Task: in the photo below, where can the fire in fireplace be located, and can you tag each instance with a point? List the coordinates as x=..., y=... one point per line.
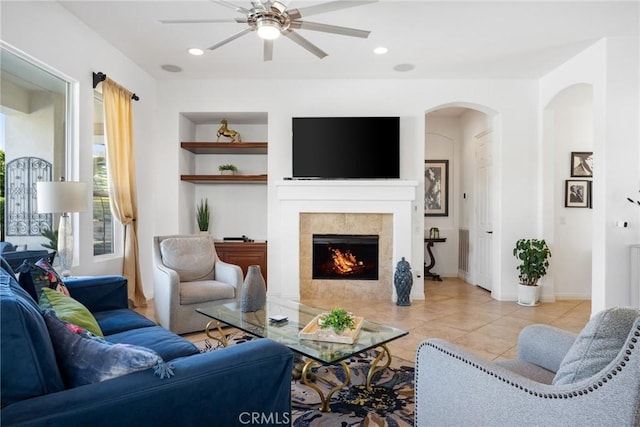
x=345, y=257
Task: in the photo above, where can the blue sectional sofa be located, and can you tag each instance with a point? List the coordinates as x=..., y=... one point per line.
x=226, y=387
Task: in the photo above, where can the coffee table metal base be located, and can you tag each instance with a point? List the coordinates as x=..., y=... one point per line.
x=221, y=338
x=371, y=336
x=324, y=406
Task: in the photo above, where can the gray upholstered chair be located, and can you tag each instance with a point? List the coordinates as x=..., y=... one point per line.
x=558, y=378
x=187, y=275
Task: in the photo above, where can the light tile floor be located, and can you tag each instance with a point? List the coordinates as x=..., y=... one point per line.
x=466, y=315
x=460, y=313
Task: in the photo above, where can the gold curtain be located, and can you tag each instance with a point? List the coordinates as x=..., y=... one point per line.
x=120, y=164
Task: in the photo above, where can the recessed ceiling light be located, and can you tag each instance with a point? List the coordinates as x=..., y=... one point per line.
x=171, y=68
x=380, y=50
x=404, y=67
x=195, y=51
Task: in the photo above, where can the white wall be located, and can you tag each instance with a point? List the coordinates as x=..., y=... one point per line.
x=49, y=33
x=236, y=209
x=611, y=67
x=571, y=123
x=52, y=36
x=409, y=99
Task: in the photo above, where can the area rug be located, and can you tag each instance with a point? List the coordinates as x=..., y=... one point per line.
x=389, y=403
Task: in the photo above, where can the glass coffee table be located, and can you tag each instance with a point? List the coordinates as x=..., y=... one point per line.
x=297, y=316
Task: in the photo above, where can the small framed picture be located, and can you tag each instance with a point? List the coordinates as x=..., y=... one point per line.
x=577, y=193
x=582, y=164
x=436, y=188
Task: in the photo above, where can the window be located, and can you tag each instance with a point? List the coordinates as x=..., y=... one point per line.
x=103, y=227
x=35, y=123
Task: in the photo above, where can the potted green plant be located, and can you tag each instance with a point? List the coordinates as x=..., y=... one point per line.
x=227, y=169
x=52, y=236
x=202, y=215
x=534, y=257
x=339, y=319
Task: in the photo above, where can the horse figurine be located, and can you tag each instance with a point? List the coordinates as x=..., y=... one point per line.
x=229, y=133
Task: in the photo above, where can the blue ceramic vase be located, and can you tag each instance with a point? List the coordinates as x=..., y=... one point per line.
x=403, y=281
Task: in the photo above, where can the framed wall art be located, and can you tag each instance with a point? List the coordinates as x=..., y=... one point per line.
x=582, y=164
x=436, y=188
x=577, y=193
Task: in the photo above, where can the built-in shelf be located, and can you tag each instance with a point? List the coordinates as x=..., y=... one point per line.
x=225, y=147
x=225, y=179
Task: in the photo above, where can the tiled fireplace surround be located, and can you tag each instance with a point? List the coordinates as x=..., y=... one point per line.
x=312, y=207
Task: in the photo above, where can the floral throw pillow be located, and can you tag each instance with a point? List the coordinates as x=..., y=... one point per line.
x=54, y=278
x=33, y=277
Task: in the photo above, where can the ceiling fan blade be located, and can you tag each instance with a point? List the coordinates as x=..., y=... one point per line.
x=268, y=50
x=279, y=5
x=326, y=7
x=266, y=4
x=232, y=38
x=232, y=6
x=301, y=41
x=258, y=5
x=334, y=29
x=196, y=21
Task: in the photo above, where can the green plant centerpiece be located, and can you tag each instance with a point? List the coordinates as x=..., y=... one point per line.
x=202, y=215
x=230, y=168
x=339, y=319
x=534, y=257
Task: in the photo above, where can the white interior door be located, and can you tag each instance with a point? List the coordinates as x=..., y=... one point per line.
x=484, y=209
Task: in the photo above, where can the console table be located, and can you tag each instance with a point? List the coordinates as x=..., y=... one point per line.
x=432, y=260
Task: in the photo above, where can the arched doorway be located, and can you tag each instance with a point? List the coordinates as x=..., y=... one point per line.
x=466, y=137
x=568, y=134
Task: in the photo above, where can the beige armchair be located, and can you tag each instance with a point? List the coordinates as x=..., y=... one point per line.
x=187, y=275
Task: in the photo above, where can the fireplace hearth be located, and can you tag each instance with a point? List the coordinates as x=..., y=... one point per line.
x=345, y=257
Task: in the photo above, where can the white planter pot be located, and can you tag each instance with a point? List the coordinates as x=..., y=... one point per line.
x=528, y=296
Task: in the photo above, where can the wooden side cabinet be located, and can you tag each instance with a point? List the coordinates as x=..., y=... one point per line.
x=244, y=254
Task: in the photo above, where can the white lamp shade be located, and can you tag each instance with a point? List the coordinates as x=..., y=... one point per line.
x=61, y=196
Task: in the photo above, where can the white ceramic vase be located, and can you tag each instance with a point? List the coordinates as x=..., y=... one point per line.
x=528, y=296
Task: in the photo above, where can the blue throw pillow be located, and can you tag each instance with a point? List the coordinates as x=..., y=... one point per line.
x=85, y=358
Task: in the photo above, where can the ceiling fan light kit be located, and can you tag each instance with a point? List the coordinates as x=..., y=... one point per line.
x=270, y=19
x=268, y=28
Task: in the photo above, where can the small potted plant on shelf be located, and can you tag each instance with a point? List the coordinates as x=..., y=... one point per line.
x=339, y=319
x=202, y=215
x=534, y=257
x=227, y=169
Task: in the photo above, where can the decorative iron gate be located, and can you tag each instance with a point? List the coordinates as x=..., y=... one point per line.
x=21, y=213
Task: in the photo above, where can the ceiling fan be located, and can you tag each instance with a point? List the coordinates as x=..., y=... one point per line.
x=271, y=18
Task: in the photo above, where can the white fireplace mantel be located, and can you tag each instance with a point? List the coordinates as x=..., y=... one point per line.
x=294, y=197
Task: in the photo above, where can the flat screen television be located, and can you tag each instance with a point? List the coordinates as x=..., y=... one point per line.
x=346, y=147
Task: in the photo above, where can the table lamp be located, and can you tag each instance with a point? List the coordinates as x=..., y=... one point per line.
x=62, y=197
